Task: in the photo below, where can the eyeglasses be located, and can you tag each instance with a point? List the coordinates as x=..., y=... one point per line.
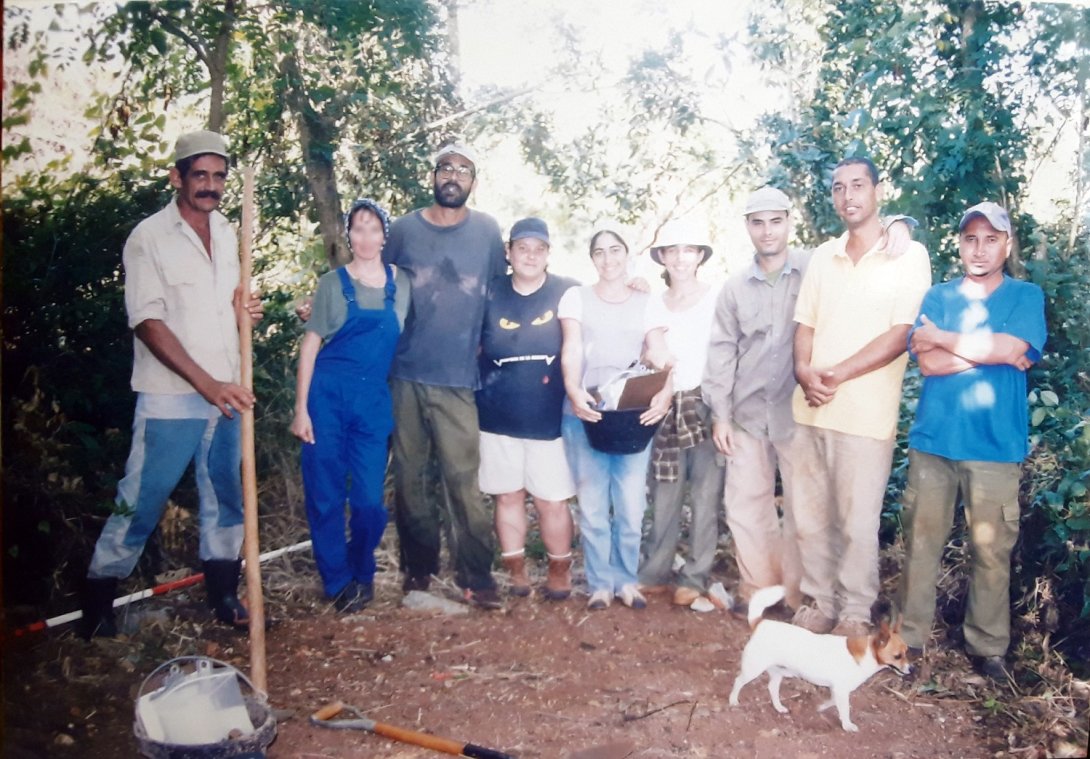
x=449, y=170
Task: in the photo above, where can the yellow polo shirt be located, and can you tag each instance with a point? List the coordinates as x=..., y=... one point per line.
x=848, y=305
x=169, y=277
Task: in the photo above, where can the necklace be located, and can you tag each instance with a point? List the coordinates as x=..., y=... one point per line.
x=370, y=277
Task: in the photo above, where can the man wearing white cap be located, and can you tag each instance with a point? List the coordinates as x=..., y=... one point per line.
x=184, y=305
x=748, y=381
x=975, y=338
x=451, y=254
x=855, y=308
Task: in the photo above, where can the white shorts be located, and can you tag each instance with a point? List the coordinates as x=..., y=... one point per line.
x=510, y=464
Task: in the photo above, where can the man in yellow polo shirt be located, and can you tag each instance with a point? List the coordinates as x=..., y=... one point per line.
x=854, y=312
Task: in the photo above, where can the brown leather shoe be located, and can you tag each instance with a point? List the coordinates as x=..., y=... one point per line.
x=516, y=569
x=808, y=617
x=558, y=581
x=684, y=596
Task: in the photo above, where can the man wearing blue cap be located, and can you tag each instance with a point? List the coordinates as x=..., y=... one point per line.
x=975, y=338
x=184, y=305
x=450, y=253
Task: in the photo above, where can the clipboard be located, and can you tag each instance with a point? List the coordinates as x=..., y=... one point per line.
x=638, y=391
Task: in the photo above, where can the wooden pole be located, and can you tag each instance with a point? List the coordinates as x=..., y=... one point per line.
x=251, y=546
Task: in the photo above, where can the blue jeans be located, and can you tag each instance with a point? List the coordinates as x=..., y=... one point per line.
x=168, y=433
x=611, y=543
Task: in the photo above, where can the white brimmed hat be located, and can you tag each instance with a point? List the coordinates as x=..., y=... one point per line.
x=680, y=232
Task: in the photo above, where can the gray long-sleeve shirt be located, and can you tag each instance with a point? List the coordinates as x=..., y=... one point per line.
x=750, y=372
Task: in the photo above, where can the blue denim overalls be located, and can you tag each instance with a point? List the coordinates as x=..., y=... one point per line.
x=350, y=409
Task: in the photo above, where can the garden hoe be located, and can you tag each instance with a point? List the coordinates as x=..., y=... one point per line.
x=326, y=717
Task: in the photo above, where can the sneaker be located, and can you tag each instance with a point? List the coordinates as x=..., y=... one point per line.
x=416, y=582
x=631, y=597
x=992, y=667
x=484, y=598
x=809, y=618
x=600, y=600
x=852, y=628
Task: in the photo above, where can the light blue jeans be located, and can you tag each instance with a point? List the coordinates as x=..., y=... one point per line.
x=168, y=432
x=612, y=493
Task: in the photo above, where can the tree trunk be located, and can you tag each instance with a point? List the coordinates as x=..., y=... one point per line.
x=317, y=140
x=217, y=64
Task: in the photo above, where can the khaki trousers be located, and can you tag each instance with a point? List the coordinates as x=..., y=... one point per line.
x=989, y=492
x=838, y=485
x=765, y=548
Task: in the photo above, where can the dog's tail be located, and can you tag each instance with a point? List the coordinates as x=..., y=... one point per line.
x=761, y=600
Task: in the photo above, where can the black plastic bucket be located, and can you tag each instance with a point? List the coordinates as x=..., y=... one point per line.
x=620, y=432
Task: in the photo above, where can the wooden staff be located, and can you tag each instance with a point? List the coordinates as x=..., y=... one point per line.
x=250, y=547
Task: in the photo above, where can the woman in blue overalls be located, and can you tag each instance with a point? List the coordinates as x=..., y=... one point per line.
x=343, y=412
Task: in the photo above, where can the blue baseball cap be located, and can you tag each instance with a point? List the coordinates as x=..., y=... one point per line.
x=531, y=226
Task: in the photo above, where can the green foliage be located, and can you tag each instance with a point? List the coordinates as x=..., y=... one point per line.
x=1056, y=535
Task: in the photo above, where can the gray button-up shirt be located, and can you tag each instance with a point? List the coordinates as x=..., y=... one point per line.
x=750, y=373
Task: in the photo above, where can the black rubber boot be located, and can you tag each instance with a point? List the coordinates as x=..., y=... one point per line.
x=221, y=580
x=98, y=608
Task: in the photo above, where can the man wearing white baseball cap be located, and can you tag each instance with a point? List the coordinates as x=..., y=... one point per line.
x=748, y=381
x=184, y=305
x=975, y=338
x=451, y=254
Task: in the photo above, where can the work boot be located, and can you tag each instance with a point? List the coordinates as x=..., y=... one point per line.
x=221, y=582
x=516, y=569
x=558, y=581
x=98, y=608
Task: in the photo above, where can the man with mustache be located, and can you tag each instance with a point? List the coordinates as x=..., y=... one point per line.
x=450, y=253
x=184, y=305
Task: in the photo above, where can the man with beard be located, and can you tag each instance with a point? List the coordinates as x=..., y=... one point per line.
x=184, y=305
x=450, y=253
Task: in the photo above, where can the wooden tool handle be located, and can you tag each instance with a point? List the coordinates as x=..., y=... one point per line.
x=404, y=735
x=328, y=712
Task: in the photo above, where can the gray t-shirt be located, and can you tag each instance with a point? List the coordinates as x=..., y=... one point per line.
x=330, y=309
x=450, y=269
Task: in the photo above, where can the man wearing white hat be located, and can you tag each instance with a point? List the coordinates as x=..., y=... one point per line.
x=748, y=381
x=451, y=254
x=184, y=305
x=975, y=338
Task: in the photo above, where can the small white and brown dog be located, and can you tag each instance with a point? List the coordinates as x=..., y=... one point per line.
x=834, y=661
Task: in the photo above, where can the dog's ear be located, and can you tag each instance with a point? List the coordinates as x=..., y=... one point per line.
x=883, y=633
x=897, y=624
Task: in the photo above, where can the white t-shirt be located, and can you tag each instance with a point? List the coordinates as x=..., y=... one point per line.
x=688, y=334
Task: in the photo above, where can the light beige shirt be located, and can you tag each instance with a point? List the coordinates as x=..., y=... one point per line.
x=169, y=277
x=750, y=372
x=848, y=305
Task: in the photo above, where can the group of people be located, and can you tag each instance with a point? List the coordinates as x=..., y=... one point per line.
x=789, y=374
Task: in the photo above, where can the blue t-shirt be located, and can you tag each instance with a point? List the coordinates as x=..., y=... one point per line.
x=522, y=387
x=979, y=414
x=449, y=268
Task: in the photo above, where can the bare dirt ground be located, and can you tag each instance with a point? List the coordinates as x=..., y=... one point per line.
x=539, y=679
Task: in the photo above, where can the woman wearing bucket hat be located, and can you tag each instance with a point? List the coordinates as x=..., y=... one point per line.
x=683, y=454
x=519, y=406
x=343, y=411
x=604, y=334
